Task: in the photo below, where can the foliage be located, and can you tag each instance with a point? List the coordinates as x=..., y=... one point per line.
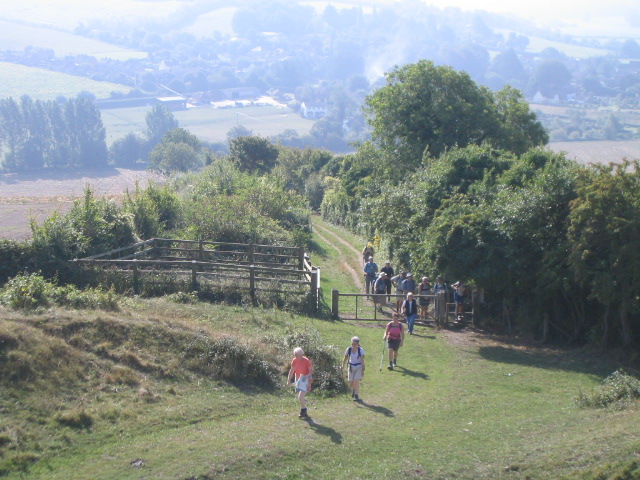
x=93, y=225
x=128, y=151
x=618, y=390
x=604, y=234
x=179, y=151
x=159, y=120
x=41, y=134
x=253, y=154
x=33, y=291
x=228, y=359
x=425, y=110
x=327, y=376
x=15, y=257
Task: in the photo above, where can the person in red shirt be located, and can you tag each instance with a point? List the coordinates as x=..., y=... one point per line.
x=302, y=372
x=394, y=335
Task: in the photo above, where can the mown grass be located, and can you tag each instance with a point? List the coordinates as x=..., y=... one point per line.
x=461, y=404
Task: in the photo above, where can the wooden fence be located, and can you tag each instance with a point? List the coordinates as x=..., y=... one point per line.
x=360, y=306
x=258, y=268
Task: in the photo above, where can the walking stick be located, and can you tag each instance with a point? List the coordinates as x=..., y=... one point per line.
x=382, y=356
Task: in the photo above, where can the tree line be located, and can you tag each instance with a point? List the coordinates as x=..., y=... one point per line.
x=47, y=134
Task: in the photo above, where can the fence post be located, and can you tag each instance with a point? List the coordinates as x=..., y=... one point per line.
x=194, y=275
x=252, y=282
x=201, y=251
x=300, y=258
x=251, y=262
x=136, y=278
x=335, y=302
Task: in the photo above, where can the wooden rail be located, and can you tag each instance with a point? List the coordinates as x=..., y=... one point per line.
x=251, y=266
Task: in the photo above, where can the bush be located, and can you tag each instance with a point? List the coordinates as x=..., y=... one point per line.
x=16, y=256
x=327, y=377
x=32, y=291
x=26, y=292
x=228, y=359
x=617, y=390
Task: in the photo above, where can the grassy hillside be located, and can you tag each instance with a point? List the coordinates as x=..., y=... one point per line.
x=126, y=395
x=40, y=84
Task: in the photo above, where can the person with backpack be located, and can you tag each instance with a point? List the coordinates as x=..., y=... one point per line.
x=354, y=356
x=367, y=251
x=302, y=372
x=397, y=282
x=394, y=335
x=380, y=291
x=370, y=273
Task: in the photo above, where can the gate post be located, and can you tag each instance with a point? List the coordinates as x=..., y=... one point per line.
x=252, y=283
x=136, y=277
x=335, y=300
x=194, y=276
x=315, y=290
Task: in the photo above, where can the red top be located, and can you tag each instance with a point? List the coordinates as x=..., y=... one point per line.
x=301, y=366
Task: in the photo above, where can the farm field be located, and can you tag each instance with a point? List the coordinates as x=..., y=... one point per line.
x=17, y=36
x=40, y=84
x=209, y=124
x=599, y=151
x=29, y=196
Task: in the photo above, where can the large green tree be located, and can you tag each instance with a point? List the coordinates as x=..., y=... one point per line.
x=425, y=110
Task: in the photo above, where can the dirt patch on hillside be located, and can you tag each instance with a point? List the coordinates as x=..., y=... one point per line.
x=36, y=195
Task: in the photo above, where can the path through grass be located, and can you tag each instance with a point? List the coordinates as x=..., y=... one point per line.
x=461, y=404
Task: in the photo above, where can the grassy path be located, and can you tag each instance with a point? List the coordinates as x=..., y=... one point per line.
x=460, y=405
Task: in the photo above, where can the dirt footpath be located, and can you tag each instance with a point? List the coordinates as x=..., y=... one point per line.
x=36, y=195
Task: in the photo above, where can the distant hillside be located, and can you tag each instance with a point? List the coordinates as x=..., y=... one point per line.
x=40, y=84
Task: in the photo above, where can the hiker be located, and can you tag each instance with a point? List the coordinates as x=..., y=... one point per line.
x=302, y=372
x=394, y=335
x=409, y=284
x=388, y=269
x=397, y=282
x=380, y=291
x=459, y=289
x=424, y=288
x=367, y=252
x=370, y=273
x=410, y=311
x=354, y=355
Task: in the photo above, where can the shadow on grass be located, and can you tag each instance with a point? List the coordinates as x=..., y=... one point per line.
x=568, y=360
x=335, y=437
x=377, y=409
x=411, y=373
x=315, y=247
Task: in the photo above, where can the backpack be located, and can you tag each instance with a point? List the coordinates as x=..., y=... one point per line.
x=359, y=351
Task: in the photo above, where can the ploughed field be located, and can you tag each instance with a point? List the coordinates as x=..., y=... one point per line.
x=36, y=195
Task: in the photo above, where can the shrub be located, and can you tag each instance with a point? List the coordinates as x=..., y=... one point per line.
x=15, y=257
x=617, y=390
x=26, y=292
x=326, y=372
x=228, y=359
x=31, y=291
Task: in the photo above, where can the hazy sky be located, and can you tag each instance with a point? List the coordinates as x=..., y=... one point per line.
x=553, y=12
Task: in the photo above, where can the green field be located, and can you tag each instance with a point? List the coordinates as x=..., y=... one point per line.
x=209, y=124
x=39, y=84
